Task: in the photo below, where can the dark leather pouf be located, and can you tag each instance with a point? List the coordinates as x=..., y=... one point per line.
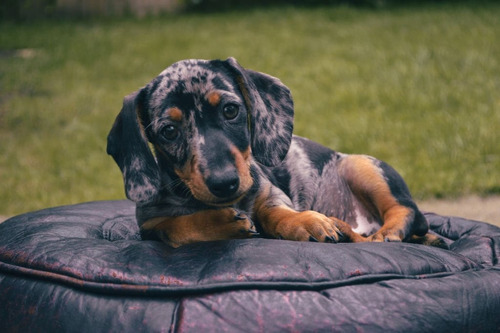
x=83, y=268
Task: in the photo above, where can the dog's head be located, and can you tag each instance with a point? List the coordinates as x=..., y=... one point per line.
x=207, y=122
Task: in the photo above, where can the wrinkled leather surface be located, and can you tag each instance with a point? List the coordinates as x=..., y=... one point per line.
x=84, y=268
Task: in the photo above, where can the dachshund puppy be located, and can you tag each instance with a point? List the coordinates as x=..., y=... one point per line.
x=206, y=149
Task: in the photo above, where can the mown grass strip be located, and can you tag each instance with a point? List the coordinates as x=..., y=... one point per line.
x=417, y=87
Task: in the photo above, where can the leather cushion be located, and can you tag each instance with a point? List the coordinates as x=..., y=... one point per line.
x=84, y=267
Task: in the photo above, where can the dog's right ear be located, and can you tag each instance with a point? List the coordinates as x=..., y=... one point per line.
x=270, y=106
x=128, y=145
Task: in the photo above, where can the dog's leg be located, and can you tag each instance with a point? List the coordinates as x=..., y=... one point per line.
x=207, y=225
x=382, y=190
x=278, y=220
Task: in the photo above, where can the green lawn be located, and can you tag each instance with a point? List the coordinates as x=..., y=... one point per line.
x=418, y=87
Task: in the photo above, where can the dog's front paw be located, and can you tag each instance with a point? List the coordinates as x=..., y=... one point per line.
x=239, y=225
x=203, y=226
x=307, y=226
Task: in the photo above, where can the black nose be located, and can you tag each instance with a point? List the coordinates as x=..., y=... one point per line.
x=223, y=184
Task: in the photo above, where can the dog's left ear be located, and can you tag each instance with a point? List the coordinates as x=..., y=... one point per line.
x=128, y=145
x=270, y=105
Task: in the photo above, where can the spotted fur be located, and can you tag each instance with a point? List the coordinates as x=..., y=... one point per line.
x=223, y=155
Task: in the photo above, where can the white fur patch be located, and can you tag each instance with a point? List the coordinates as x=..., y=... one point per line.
x=365, y=226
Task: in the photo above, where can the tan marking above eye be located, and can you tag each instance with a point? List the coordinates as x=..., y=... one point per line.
x=213, y=98
x=175, y=114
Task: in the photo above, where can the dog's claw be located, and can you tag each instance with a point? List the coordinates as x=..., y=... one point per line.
x=253, y=234
x=312, y=239
x=330, y=239
x=249, y=231
x=239, y=217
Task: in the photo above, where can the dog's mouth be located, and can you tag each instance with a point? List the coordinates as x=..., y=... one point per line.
x=205, y=195
x=224, y=202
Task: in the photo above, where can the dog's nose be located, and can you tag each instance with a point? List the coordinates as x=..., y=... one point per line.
x=224, y=184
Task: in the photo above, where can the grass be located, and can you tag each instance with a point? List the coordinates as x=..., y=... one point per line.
x=417, y=87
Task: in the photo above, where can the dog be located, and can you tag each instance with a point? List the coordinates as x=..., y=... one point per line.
x=207, y=153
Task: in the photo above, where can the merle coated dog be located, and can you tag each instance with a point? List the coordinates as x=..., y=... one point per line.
x=206, y=149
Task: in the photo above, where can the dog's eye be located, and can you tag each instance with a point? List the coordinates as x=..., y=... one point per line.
x=170, y=132
x=230, y=111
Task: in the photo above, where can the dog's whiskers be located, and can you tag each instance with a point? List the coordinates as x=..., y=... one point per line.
x=173, y=184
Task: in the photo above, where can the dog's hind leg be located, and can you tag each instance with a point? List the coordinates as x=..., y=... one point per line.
x=383, y=192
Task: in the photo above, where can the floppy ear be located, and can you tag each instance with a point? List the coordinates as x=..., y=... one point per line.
x=270, y=105
x=129, y=147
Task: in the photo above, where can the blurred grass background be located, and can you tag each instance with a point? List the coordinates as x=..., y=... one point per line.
x=417, y=86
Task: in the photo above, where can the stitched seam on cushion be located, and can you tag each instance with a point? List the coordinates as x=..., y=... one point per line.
x=177, y=316
x=155, y=290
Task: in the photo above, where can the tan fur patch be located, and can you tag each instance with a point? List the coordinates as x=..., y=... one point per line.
x=213, y=98
x=244, y=91
x=269, y=216
x=242, y=161
x=191, y=176
x=175, y=114
x=139, y=121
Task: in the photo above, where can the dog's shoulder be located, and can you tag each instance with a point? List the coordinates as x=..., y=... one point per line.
x=307, y=154
x=304, y=164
